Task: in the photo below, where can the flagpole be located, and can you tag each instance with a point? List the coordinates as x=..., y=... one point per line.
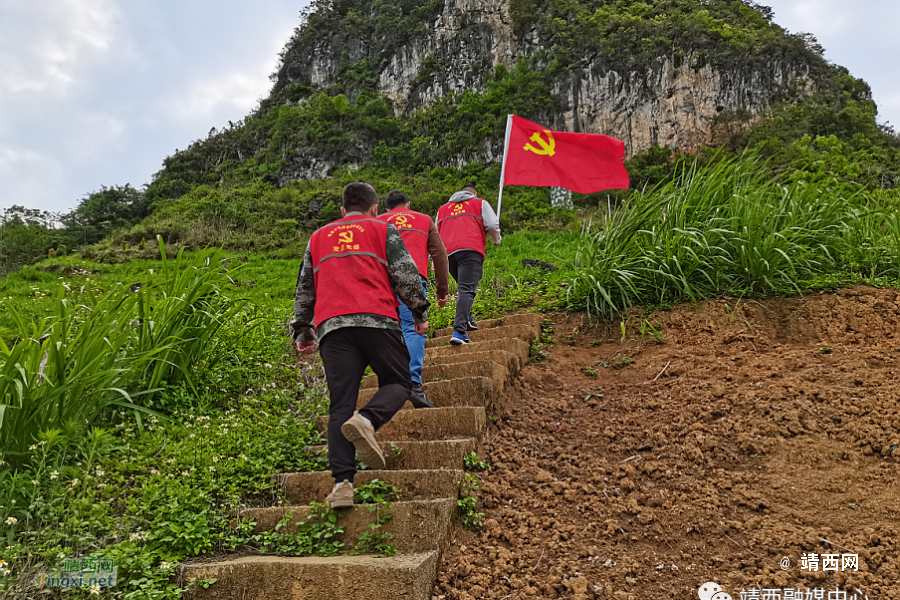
x=503, y=167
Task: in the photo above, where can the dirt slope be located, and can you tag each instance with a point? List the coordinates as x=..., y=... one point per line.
x=771, y=431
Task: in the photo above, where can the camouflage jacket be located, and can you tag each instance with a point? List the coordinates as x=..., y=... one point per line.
x=404, y=277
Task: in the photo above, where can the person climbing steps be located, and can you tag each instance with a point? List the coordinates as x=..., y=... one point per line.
x=353, y=271
x=422, y=240
x=464, y=223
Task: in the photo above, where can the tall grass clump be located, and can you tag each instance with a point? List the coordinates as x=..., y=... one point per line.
x=728, y=227
x=115, y=349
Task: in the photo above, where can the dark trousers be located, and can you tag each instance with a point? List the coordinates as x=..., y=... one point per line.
x=346, y=353
x=466, y=268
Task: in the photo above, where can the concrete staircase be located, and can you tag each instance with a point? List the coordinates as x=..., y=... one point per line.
x=463, y=381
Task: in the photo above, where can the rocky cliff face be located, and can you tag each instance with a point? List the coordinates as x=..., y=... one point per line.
x=670, y=102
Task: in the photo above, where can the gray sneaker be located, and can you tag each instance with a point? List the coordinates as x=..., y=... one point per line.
x=341, y=496
x=418, y=397
x=362, y=436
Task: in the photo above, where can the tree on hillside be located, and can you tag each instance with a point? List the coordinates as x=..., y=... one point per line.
x=26, y=234
x=101, y=212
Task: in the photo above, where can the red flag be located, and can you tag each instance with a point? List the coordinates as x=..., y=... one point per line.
x=581, y=162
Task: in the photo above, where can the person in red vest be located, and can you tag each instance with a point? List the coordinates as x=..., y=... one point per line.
x=353, y=272
x=422, y=240
x=464, y=224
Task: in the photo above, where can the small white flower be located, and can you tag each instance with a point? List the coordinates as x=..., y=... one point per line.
x=11, y=521
x=164, y=565
x=6, y=572
x=54, y=475
x=212, y=468
x=35, y=481
x=95, y=589
x=134, y=537
x=154, y=472
x=185, y=473
x=101, y=485
x=100, y=473
x=60, y=555
x=2, y=462
x=32, y=447
x=74, y=481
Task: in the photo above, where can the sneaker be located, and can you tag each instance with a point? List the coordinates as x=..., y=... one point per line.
x=471, y=325
x=459, y=338
x=341, y=496
x=362, y=436
x=418, y=397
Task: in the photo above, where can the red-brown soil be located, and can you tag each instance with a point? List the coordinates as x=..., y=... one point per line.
x=770, y=432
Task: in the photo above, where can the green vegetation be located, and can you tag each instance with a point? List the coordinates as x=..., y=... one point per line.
x=472, y=462
x=318, y=535
x=151, y=495
x=376, y=492
x=628, y=32
x=116, y=349
x=137, y=420
x=731, y=228
x=30, y=235
x=467, y=504
x=831, y=134
x=378, y=496
x=618, y=361
x=138, y=438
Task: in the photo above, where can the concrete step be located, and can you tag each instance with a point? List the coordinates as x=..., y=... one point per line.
x=514, y=346
x=510, y=361
x=429, y=424
x=523, y=332
x=402, y=577
x=533, y=319
x=422, y=455
x=303, y=488
x=469, y=391
x=497, y=372
x=417, y=526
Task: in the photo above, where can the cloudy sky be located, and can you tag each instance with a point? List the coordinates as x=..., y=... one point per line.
x=98, y=92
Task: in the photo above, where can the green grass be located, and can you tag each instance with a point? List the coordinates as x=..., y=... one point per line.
x=168, y=487
x=729, y=228
x=152, y=493
x=93, y=349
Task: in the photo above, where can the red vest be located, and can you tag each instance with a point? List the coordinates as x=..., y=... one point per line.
x=413, y=227
x=461, y=226
x=349, y=260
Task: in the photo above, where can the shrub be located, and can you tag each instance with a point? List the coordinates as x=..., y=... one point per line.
x=117, y=349
x=724, y=227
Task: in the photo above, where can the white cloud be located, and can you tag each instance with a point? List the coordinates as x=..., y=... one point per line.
x=46, y=46
x=823, y=17
x=239, y=91
x=32, y=176
x=11, y=158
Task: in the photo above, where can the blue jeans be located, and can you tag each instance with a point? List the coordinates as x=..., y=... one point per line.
x=415, y=343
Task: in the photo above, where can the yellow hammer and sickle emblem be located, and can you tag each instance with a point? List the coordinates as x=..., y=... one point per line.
x=345, y=237
x=401, y=220
x=546, y=148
